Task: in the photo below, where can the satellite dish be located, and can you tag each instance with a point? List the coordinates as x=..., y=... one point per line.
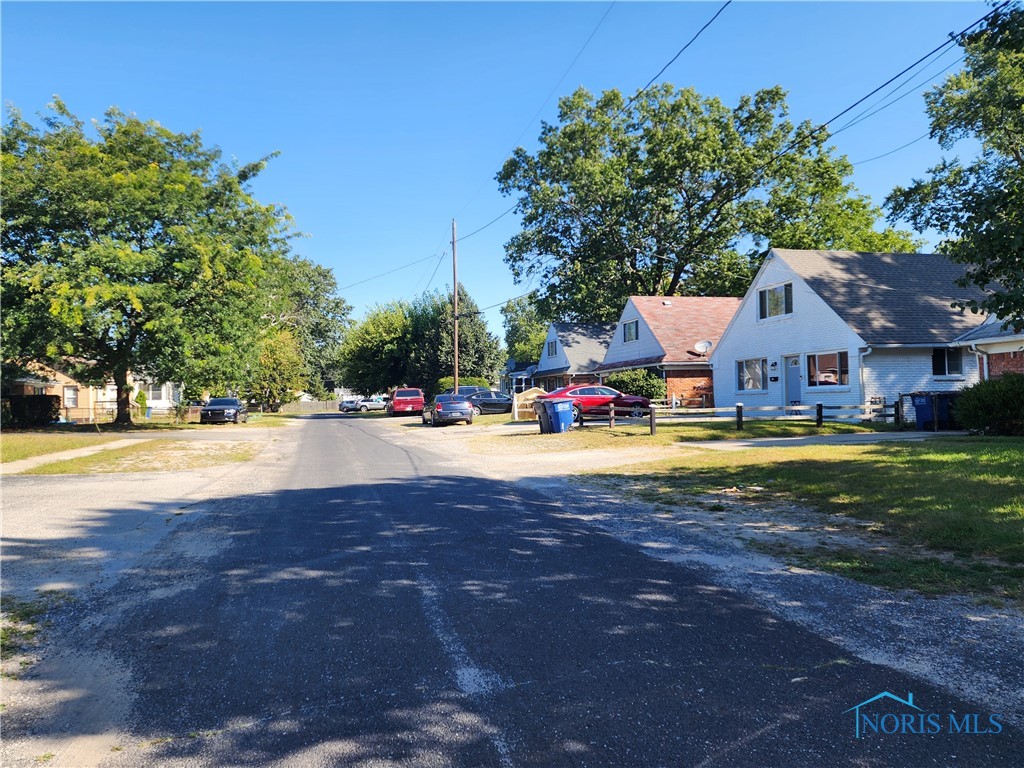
x=703, y=347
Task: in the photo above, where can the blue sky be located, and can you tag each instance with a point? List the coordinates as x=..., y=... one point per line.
x=393, y=118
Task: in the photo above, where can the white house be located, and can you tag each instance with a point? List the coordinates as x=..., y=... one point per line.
x=571, y=354
x=841, y=328
x=671, y=336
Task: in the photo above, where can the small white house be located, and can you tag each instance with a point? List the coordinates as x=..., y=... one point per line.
x=571, y=354
x=842, y=328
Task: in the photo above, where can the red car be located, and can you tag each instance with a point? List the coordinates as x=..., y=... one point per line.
x=406, y=400
x=595, y=398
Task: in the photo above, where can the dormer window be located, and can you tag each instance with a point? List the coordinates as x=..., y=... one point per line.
x=630, y=331
x=551, y=348
x=772, y=302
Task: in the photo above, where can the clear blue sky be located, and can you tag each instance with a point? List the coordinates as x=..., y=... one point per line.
x=393, y=118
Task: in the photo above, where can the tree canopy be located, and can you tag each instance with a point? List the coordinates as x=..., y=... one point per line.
x=672, y=193
x=525, y=329
x=139, y=252
x=411, y=344
x=979, y=205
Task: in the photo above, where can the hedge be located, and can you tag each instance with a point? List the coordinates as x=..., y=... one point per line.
x=31, y=410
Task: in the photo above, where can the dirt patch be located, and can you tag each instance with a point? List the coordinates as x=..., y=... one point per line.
x=155, y=456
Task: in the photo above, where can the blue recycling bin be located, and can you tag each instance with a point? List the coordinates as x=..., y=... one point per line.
x=934, y=410
x=561, y=415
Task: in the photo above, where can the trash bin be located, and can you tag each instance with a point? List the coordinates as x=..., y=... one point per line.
x=561, y=417
x=934, y=410
x=540, y=407
x=922, y=410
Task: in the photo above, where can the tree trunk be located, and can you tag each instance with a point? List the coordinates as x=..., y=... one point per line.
x=124, y=410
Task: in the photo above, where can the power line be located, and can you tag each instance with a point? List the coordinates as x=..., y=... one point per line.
x=427, y=287
x=678, y=54
x=485, y=226
x=893, y=151
x=389, y=272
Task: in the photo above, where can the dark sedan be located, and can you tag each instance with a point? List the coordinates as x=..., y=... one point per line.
x=447, y=409
x=489, y=401
x=221, y=410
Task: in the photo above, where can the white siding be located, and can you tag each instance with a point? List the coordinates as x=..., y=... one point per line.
x=813, y=327
x=560, y=359
x=644, y=346
x=891, y=372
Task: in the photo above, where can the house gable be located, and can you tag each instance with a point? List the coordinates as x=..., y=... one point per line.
x=644, y=347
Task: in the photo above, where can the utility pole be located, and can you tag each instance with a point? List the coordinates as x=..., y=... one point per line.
x=455, y=306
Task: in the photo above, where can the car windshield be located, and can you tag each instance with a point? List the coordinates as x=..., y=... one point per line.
x=223, y=401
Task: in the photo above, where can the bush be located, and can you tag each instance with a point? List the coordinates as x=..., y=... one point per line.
x=638, y=382
x=33, y=410
x=995, y=407
x=140, y=400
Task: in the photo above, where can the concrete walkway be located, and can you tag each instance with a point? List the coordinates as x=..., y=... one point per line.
x=16, y=467
x=857, y=438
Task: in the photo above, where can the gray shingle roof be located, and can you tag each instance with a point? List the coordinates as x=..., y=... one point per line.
x=585, y=345
x=992, y=331
x=889, y=298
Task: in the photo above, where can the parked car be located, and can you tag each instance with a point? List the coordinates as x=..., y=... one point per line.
x=490, y=402
x=348, y=405
x=595, y=399
x=369, y=404
x=447, y=409
x=406, y=401
x=221, y=410
x=466, y=391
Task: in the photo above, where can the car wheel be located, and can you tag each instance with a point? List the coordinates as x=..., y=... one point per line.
x=363, y=409
x=433, y=420
x=476, y=410
x=636, y=411
x=577, y=414
x=469, y=422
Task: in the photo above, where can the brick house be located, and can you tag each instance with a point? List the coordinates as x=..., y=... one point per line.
x=842, y=328
x=671, y=337
x=1000, y=348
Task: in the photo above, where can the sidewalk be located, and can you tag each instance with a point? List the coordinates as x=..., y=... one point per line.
x=857, y=438
x=16, y=467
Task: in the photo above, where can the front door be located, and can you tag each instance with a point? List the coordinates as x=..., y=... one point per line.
x=792, y=380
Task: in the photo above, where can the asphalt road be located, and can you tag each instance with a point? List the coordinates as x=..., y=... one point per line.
x=366, y=605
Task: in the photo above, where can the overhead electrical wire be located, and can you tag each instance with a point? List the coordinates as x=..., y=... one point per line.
x=893, y=151
x=389, y=272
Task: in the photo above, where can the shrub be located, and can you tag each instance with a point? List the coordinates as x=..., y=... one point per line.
x=34, y=410
x=140, y=400
x=995, y=406
x=638, y=382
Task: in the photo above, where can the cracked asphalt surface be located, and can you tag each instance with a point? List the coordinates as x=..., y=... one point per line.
x=352, y=599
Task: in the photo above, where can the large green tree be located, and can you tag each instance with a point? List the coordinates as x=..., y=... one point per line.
x=134, y=251
x=375, y=352
x=431, y=343
x=671, y=193
x=979, y=205
x=525, y=329
x=303, y=299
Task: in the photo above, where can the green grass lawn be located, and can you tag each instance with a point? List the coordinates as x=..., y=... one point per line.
x=958, y=495
x=15, y=446
x=596, y=434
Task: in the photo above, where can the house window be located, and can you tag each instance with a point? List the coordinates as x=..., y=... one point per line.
x=772, y=302
x=947, y=362
x=551, y=349
x=154, y=392
x=70, y=397
x=828, y=369
x=631, y=331
x=752, y=374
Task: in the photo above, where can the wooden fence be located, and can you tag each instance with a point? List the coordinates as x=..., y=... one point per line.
x=739, y=413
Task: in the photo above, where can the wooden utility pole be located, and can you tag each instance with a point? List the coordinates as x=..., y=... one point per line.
x=455, y=306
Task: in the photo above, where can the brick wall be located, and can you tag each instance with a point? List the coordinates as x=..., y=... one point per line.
x=1005, y=362
x=688, y=386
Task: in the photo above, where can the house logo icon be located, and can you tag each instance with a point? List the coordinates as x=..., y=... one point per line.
x=907, y=702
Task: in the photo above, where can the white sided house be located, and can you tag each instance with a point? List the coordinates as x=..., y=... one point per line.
x=845, y=328
x=571, y=354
